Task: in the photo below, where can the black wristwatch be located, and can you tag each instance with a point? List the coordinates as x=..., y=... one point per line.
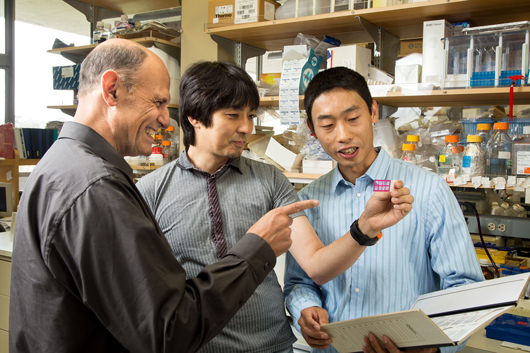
x=361, y=238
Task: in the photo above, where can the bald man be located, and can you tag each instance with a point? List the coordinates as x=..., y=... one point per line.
x=91, y=269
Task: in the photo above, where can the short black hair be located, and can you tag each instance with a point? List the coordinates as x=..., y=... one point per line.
x=336, y=77
x=208, y=86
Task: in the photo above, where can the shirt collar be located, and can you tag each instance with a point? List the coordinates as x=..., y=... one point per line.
x=377, y=171
x=184, y=162
x=85, y=134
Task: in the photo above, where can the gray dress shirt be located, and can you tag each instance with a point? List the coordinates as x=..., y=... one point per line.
x=247, y=190
x=93, y=272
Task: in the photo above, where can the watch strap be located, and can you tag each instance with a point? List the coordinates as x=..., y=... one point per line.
x=362, y=238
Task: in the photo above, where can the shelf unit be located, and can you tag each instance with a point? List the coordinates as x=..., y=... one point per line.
x=403, y=21
x=9, y=173
x=133, y=6
x=77, y=54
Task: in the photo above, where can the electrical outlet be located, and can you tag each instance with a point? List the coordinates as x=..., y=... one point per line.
x=502, y=227
x=491, y=226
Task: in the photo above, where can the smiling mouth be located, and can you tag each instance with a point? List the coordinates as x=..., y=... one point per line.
x=350, y=150
x=150, y=131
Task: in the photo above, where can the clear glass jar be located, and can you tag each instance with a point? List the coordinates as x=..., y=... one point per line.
x=409, y=153
x=474, y=158
x=450, y=157
x=499, y=152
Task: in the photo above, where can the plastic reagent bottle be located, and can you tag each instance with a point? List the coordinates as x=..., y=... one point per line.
x=96, y=35
x=124, y=23
x=520, y=210
x=409, y=153
x=499, y=152
x=484, y=131
x=521, y=154
x=450, y=157
x=474, y=158
x=174, y=139
x=496, y=210
x=508, y=211
x=166, y=153
x=415, y=140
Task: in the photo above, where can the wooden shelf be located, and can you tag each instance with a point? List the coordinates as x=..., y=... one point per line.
x=457, y=97
x=84, y=50
x=403, y=21
x=29, y=161
x=133, y=6
x=447, y=97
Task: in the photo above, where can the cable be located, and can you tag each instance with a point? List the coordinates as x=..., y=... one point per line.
x=497, y=274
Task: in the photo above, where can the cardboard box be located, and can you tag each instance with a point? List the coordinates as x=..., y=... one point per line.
x=354, y=57
x=408, y=74
x=517, y=261
x=317, y=167
x=407, y=47
x=66, y=77
x=433, y=49
x=229, y=12
x=272, y=150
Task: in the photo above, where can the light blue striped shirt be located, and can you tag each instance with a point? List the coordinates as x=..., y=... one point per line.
x=430, y=249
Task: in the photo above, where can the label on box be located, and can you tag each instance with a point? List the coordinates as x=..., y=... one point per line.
x=221, y=10
x=246, y=11
x=504, y=155
x=523, y=162
x=67, y=71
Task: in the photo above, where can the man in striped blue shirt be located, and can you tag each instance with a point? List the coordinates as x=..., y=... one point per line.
x=428, y=250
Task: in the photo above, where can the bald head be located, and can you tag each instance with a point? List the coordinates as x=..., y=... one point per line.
x=123, y=56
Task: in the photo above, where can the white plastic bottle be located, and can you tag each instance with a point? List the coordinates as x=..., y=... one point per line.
x=124, y=23
x=496, y=210
x=96, y=35
x=106, y=34
x=520, y=211
x=156, y=159
x=508, y=211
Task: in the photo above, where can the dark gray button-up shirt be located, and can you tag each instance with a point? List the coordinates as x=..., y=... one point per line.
x=178, y=197
x=93, y=272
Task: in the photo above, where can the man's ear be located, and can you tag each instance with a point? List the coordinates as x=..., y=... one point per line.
x=375, y=112
x=109, y=87
x=310, y=125
x=194, y=122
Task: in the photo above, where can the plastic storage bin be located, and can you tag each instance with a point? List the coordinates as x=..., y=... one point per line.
x=516, y=126
x=469, y=127
x=486, y=60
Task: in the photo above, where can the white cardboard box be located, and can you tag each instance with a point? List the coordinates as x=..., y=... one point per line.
x=433, y=49
x=271, y=148
x=317, y=167
x=354, y=57
x=408, y=74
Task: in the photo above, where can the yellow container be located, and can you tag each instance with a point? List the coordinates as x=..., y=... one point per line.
x=498, y=256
